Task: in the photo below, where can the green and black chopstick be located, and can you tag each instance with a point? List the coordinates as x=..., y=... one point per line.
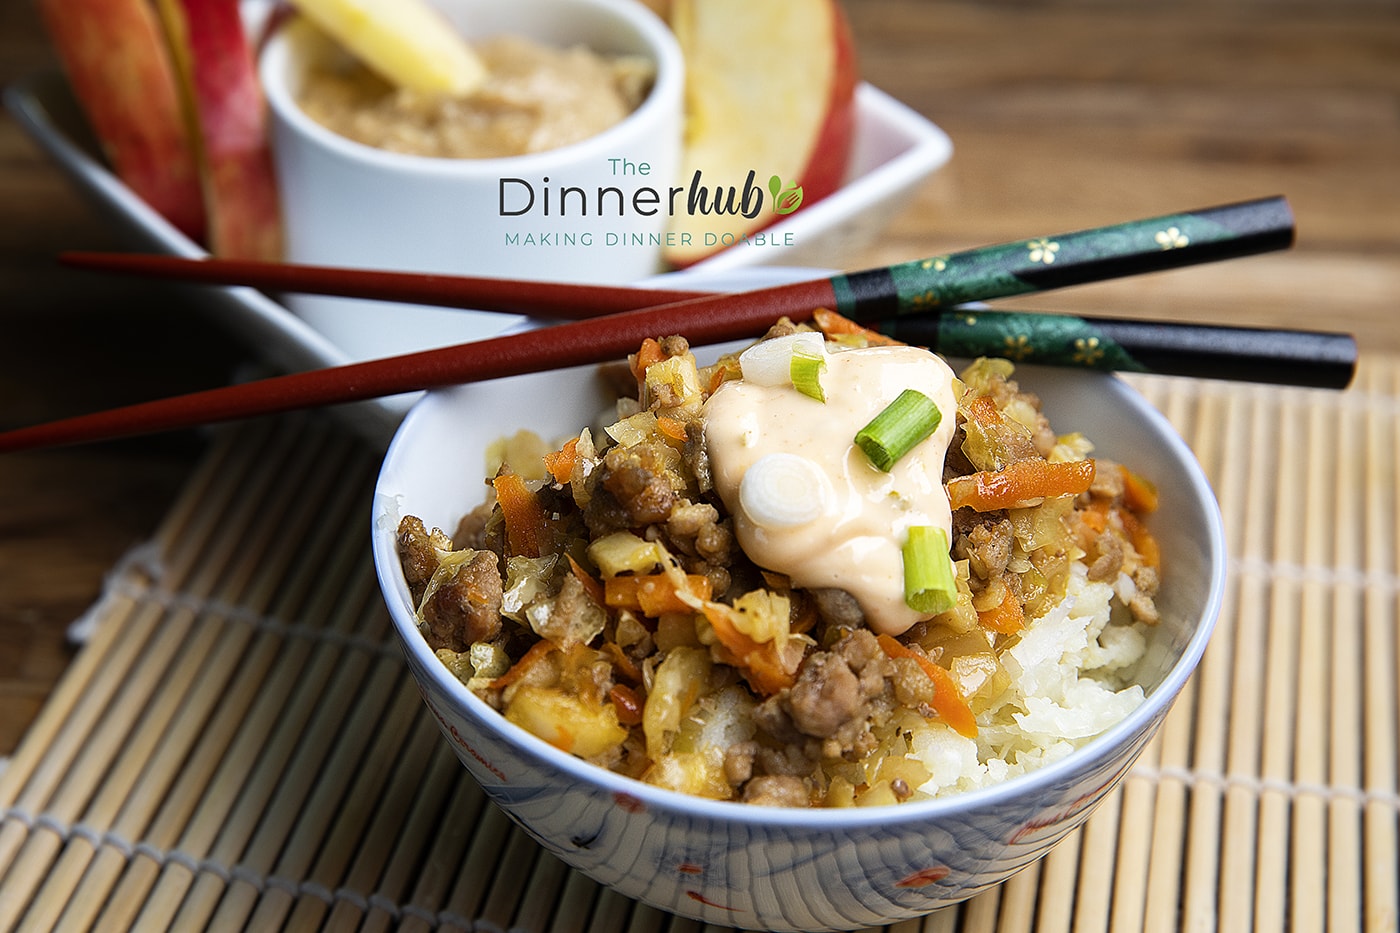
x=915, y=302
x=1043, y=263
x=1019, y=267
x=1316, y=359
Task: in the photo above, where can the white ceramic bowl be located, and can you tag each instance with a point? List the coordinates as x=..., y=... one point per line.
x=770, y=868
x=349, y=204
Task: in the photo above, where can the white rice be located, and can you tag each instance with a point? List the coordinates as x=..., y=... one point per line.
x=1068, y=685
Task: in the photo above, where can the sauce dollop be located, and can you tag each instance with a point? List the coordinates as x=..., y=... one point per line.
x=854, y=541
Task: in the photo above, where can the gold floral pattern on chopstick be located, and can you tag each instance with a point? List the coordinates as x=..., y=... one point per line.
x=1042, y=251
x=1172, y=238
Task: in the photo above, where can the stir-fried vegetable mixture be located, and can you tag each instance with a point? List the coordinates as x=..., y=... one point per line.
x=598, y=599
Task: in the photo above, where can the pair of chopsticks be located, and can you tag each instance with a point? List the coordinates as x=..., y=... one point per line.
x=916, y=302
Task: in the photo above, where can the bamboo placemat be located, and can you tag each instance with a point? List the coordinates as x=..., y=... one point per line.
x=238, y=744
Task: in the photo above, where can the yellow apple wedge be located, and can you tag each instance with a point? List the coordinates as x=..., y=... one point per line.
x=407, y=42
x=117, y=64
x=228, y=116
x=770, y=89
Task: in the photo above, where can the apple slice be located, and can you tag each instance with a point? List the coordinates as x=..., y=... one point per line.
x=407, y=42
x=770, y=90
x=117, y=64
x=228, y=114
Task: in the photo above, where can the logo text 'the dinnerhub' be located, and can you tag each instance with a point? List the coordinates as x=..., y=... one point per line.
x=520, y=197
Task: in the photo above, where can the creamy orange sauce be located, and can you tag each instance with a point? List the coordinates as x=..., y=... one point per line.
x=854, y=539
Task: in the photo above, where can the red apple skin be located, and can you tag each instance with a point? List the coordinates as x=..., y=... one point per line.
x=229, y=114
x=116, y=61
x=831, y=153
x=831, y=148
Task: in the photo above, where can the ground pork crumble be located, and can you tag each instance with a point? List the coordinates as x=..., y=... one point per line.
x=598, y=598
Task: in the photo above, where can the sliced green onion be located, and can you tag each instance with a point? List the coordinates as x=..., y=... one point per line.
x=807, y=368
x=769, y=362
x=930, y=584
x=904, y=423
x=783, y=490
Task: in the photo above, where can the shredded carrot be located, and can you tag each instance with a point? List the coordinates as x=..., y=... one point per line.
x=1138, y=492
x=1095, y=516
x=627, y=703
x=527, y=529
x=1142, y=540
x=561, y=463
x=717, y=379
x=948, y=700
x=527, y=660
x=834, y=325
x=1020, y=482
x=673, y=428
x=766, y=670
x=592, y=587
x=654, y=593
x=1007, y=618
x=649, y=352
x=625, y=666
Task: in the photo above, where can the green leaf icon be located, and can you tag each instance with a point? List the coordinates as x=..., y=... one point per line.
x=787, y=200
x=775, y=184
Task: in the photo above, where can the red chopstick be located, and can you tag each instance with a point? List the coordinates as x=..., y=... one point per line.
x=1014, y=268
x=512, y=296
x=705, y=320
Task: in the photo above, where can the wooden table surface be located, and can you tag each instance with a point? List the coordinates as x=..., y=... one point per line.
x=1064, y=115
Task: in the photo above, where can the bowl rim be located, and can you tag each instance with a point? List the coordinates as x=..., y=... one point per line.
x=666, y=92
x=1021, y=787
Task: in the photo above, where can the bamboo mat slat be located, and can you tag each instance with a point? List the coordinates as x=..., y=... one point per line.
x=238, y=744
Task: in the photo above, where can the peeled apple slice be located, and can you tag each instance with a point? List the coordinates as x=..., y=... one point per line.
x=410, y=44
